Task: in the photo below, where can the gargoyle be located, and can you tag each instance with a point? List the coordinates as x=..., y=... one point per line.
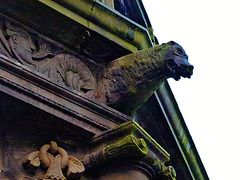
x=125, y=84
x=130, y=80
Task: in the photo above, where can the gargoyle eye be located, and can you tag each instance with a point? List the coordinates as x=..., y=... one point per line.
x=25, y=35
x=179, y=50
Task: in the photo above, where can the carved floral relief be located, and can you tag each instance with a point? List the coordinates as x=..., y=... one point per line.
x=16, y=43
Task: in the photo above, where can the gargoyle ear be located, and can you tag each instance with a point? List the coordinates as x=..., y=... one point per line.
x=10, y=33
x=172, y=43
x=11, y=29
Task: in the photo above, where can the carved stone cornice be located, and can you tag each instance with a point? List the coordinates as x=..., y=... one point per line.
x=20, y=82
x=54, y=81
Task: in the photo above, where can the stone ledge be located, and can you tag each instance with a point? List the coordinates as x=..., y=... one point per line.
x=131, y=127
x=127, y=144
x=20, y=82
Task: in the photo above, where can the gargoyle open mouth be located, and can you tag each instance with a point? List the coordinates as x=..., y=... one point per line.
x=178, y=70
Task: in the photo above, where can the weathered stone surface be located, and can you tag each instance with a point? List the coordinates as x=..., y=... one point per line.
x=58, y=95
x=130, y=80
x=17, y=44
x=147, y=157
x=127, y=148
x=133, y=77
x=125, y=151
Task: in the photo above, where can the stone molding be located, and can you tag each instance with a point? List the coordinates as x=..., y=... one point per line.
x=20, y=82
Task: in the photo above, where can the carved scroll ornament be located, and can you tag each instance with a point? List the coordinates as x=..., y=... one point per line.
x=130, y=149
x=54, y=159
x=127, y=148
x=16, y=43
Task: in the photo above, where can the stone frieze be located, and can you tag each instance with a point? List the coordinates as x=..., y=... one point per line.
x=16, y=43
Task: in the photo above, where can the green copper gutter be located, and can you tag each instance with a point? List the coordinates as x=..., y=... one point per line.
x=180, y=132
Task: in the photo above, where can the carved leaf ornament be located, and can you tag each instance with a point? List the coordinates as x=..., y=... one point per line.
x=66, y=69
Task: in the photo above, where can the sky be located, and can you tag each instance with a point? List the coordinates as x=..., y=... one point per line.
x=209, y=31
